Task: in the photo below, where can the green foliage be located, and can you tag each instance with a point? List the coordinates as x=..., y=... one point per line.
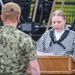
x=69, y=10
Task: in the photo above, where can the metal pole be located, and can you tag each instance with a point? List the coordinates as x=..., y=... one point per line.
x=1, y=2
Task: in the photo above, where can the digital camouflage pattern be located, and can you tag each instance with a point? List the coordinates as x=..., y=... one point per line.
x=16, y=49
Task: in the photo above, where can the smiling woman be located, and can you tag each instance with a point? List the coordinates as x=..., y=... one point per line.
x=60, y=39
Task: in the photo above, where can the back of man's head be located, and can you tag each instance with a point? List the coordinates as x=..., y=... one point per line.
x=10, y=11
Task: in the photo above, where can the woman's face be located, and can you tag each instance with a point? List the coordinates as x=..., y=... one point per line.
x=58, y=23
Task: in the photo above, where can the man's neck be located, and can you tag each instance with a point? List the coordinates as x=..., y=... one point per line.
x=10, y=24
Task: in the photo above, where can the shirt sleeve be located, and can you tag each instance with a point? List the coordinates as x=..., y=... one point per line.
x=40, y=44
x=73, y=48
x=30, y=48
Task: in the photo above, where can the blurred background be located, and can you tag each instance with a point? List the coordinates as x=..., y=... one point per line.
x=36, y=15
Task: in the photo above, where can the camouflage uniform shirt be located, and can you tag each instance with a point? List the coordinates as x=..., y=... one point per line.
x=16, y=49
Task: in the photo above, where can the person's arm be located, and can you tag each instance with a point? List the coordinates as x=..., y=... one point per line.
x=73, y=49
x=34, y=67
x=40, y=44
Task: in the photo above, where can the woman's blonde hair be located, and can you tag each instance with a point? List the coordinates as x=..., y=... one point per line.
x=58, y=13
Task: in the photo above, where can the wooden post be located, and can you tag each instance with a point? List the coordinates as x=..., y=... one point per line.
x=50, y=15
x=62, y=4
x=35, y=9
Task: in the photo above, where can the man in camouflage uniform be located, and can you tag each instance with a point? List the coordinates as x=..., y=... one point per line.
x=17, y=49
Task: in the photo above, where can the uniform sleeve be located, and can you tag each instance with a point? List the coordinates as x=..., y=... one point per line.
x=30, y=48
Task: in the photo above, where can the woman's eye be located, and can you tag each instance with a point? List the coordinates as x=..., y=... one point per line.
x=54, y=22
x=59, y=21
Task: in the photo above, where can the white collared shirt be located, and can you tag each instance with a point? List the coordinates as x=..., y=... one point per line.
x=58, y=34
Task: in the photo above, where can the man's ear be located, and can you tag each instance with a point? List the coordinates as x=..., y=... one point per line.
x=1, y=17
x=18, y=18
